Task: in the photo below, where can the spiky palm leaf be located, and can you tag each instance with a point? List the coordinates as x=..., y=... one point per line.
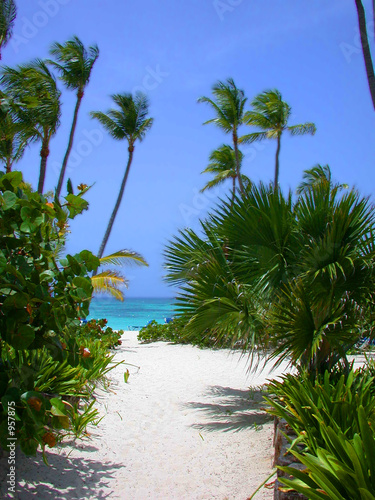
x=271, y=115
x=8, y=13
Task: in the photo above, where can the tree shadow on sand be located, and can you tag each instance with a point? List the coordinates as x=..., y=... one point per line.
x=65, y=478
x=231, y=410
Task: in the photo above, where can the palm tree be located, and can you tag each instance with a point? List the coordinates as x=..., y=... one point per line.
x=34, y=87
x=223, y=166
x=320, y=174
x=228, y=105
x=296, y=277
x=8, y=12
x=271, y=114
x=129, y=122
x=366, y=48
x=74, y=64
x=110, y=281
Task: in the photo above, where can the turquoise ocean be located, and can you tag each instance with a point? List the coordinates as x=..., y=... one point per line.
x=132, y=314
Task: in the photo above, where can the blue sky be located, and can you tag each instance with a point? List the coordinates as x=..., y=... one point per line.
x=175, y=51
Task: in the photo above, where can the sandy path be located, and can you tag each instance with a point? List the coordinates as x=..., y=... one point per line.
x=184, y=427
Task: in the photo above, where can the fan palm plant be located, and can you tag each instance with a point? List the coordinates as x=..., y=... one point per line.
x=228, y=105
x=110, y=281
x=74, y=63
x=223, y=166
x=38, y=111
x=298, y=277
x=271, y=115
x=8, y=12
x=129, y=122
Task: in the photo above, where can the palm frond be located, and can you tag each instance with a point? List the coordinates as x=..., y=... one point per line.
x=109, y=282
x=8, y=13
x=123, y=258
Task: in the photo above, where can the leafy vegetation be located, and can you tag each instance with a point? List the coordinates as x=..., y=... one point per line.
x=173, y=332
x=270, y=272
x=46, y=356
x=333, y=418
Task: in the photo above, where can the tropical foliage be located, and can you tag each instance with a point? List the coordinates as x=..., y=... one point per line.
x=8, y=13
x=228, y=104
x=296, y=276
x=223, y=166
x=41, y=301
x=130, y=123
x=271, y=115
x=111, y=281
x=74, y=64
x=333, y=419
x=33, y=87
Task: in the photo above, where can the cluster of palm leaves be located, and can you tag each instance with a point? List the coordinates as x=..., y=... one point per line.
x=269, y=114
x=272, y=272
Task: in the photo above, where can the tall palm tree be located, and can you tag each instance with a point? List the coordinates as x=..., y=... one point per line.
x=8, y=12
x=366, y=48
x=223, y=166
x=34, y=87
x=74, y=64
x=110, y=281
x=228, y=105
x=271, y=114
x=129, y=122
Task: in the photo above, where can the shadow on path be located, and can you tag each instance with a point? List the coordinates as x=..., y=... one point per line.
x=65, y=478
x=231, y=410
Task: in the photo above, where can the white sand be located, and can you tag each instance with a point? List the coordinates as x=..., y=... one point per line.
x=184, y=427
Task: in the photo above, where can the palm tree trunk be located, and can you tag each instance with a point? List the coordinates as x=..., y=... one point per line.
x=234, y=191
x=235, y=144
x=70, y=143
x=117, y=206
x=8, y=167
x=366, y=49
x=44, y=152
x=277, y=166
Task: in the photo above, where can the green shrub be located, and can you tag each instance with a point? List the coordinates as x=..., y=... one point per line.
x=48, y=361
x=333, y=399
x=175, y=332
x=342, y=469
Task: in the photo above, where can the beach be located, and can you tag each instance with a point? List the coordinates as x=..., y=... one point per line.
x=187, y=425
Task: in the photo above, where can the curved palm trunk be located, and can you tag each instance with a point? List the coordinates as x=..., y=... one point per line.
x=235, y=144
x=70, y=143
x=8, y=167
x=277, y=166
x=44, y=152
x=117, y=206
x=234, y=191
x=366, y=49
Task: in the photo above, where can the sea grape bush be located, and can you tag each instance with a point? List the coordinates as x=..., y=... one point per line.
x=41, y=299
